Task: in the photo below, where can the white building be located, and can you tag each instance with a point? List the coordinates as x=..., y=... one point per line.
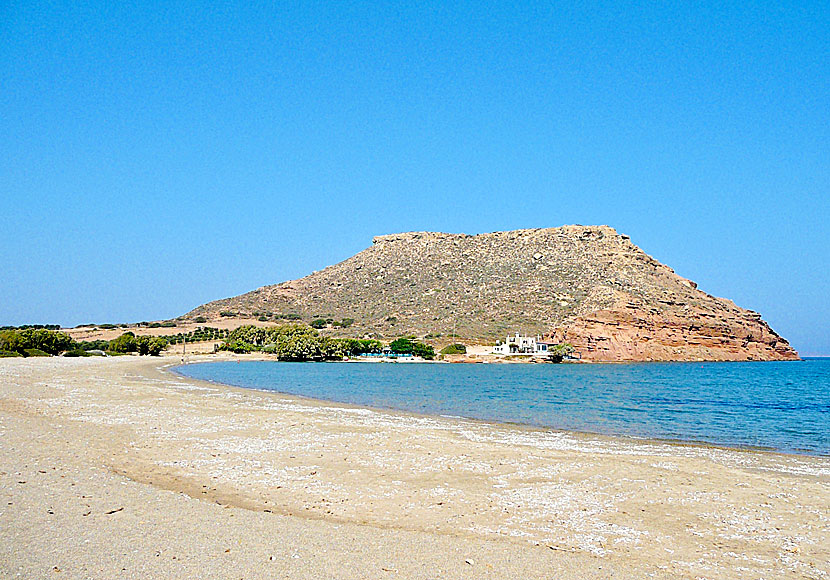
x=523, y=345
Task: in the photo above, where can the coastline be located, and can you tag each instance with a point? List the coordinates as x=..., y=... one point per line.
x=613, y=438
x=371, y=485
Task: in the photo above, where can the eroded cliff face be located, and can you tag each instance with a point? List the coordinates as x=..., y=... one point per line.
x=587, y=285
x=632, y=331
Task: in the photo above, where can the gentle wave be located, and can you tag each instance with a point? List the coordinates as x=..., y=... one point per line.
x=777, y=406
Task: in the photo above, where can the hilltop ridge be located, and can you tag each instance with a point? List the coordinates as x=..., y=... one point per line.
x=588, y=285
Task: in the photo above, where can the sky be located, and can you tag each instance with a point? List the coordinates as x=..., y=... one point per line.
x=154, y=157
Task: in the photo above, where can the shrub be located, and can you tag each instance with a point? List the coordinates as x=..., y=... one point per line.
x=93, y=345
x=142, y=345
x=299, y=347
x=227, y=313
x=9, y=353
x=156, y=345
x=318, y=323
x=413, y=347
x=77, y=352
x=200, y=319
x=370, y=345
x=401, y=346
x=558, y=352
x=33, y=326
x=34, y=352
x=124, y=343
x=49, y=341
x=424, y=351
x=11, y=341
x=454, y=349
x=236, y=346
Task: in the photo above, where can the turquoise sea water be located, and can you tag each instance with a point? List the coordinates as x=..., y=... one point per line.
x=780, y=406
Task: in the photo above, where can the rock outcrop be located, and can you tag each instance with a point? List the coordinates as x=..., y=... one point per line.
x=587, y=285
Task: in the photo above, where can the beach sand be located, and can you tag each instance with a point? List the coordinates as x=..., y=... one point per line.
x=118, y=468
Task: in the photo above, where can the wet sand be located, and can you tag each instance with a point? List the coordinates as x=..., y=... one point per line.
x=119, y=468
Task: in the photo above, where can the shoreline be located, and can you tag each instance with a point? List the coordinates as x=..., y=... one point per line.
x=611, y=437
x=208, y=466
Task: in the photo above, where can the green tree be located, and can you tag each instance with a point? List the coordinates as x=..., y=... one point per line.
x=11, y=341
x=369, y=345
x=299, y=348
x=48, y=341
x=401, y=346
x=124, y=343
x=558, y=352
x=332, y=348
x=422, y=350
x=156, y=345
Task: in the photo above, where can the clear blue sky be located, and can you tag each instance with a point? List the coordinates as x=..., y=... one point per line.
x=157, y=156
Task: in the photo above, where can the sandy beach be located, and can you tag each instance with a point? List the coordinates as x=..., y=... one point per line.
x=119, y=468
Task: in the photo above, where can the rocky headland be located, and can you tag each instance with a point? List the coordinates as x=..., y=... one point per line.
x=587, y=285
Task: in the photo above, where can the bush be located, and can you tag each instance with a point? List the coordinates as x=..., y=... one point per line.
x=558, y=352
x=200, y=319
x=9, y=354
x=157, y=344
x=299, y=347
x=12, y=341
x=34, y=352
x=77, y=352
x=33, y=326
x=401, y=346
x=295, y=342
x=48, y=341
x=369, y=345
x=413, y=347
x=150, y=345
x=237, y=346
x=422, y=350
x=319, y=323
x=454, y=349
x=93, y=345
x=227, y=313
x=124, y=343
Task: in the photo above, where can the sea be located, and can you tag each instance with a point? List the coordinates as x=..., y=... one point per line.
x=776, y=406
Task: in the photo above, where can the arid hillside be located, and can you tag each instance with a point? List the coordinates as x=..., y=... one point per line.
x=587, y=285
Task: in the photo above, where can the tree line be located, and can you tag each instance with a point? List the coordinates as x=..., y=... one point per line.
x=296, y=342
x=43, y=342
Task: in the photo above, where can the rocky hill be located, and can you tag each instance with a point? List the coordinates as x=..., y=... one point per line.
x=587, y=285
